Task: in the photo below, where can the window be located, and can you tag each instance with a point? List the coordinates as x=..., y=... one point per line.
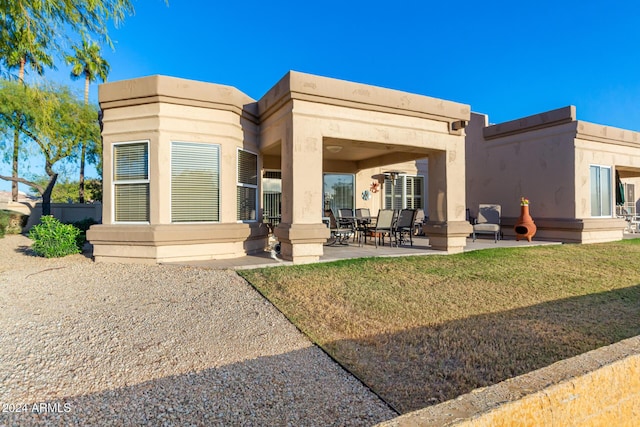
x=406, y=193
x=247, y=185
x=338, y=191
x=131, y=182
x=601, y=196
x=195, y=182
x=414, y=186
x=272, y=196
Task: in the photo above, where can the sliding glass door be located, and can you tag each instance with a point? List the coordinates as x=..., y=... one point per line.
x=338, y=191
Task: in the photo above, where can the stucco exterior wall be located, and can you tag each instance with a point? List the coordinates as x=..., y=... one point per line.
x=376, y=201
x=162, y=110
x=546, y=158
x=538, y=165
x=602, y=146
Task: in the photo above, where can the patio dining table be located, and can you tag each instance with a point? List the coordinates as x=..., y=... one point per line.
x=362, y=226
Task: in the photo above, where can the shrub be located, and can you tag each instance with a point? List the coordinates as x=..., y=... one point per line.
x=4, y=221
x=83, y=225
x=52, y=239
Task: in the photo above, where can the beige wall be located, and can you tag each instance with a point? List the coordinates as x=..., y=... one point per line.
x=376, y=201
x=537, y=164
x=161, y=110
x=546, y=158
x=604, y=146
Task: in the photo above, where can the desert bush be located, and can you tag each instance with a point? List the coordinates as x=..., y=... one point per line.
x=83, y=225
x=52, y=239
x=4, y=221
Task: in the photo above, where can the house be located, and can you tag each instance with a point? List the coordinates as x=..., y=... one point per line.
x=195, y=171
x=567, y=168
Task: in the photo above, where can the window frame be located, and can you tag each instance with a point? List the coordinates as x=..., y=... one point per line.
x=611, y=191
x=115, y=182
x=246, y=185
x=402, y=193
x=353, y=190
x=219, y=155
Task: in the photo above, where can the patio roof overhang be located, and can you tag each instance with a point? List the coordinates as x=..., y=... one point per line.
x=353, y=156
x=628, y=172
x=370, y=126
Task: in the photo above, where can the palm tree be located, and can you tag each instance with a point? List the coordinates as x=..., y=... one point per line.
x=88, y=63
x=21, y=48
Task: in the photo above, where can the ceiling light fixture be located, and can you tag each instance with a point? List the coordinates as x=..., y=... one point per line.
x=334, y=148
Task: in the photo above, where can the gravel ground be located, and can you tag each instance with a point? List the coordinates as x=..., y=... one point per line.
x=113, y=344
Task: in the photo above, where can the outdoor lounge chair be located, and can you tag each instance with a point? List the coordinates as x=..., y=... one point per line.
x=340, y=231
x=488, y=221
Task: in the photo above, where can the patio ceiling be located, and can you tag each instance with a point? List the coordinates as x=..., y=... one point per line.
x=356, y=155
x=628, y=172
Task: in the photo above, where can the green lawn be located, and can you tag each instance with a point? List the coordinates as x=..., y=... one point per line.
x=421, y=330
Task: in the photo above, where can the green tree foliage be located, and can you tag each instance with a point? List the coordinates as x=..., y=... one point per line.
x=51, y=121
x=67, y=191
x=32, y=31
x=88, y=63
x=21, y=48
x=47, y=20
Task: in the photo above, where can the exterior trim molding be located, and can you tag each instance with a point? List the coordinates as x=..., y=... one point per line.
x=159, y=89
x=529, y=123
x=324, y=90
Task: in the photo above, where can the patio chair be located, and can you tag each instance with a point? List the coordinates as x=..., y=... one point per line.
x=363, y=223
x=634, y=224
x=340, y=232
x=384, y=226
x=346, y=218
x=488, y=221
x=418, y=222
x=403, y=226
x=345, y=213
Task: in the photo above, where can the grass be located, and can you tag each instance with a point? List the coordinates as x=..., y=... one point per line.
x=421, y=330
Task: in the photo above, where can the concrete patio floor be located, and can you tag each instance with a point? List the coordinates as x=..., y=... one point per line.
x=339, y=252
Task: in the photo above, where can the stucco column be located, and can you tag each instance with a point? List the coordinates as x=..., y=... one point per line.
x=447, y=227
x=301, y=232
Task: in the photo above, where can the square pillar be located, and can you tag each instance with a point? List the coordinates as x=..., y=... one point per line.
x=447, y=227
x=301, y=232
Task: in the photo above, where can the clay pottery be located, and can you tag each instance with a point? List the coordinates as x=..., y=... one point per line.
x=525, y=228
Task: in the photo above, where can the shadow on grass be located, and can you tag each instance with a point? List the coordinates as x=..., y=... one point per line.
x=271, y=390
x=422, y=366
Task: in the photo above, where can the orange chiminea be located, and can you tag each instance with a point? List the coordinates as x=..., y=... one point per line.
x=524, y=228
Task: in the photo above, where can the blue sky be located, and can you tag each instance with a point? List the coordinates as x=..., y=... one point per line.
x=505, y=59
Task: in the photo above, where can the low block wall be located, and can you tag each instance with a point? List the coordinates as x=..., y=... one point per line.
x=598, y=388
x=587, y=230
x=65, y=212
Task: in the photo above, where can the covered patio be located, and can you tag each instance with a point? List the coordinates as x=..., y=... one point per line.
x=313, y=125
x=421, y=247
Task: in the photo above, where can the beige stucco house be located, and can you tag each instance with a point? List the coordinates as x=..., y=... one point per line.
x=566, y=167
x=194, y=170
